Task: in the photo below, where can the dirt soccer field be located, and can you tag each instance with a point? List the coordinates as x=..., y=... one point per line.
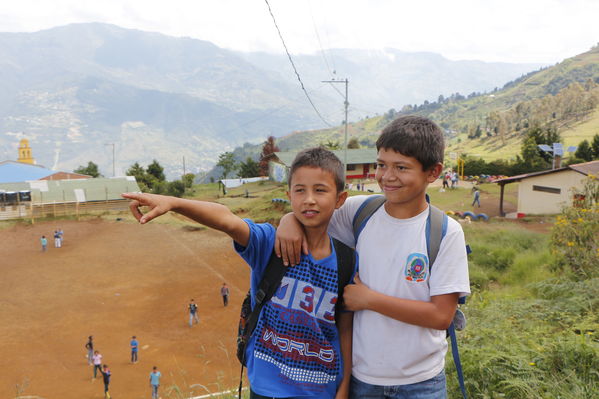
x=114, y=279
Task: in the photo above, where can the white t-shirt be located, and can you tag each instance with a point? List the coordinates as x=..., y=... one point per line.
x=392, y=252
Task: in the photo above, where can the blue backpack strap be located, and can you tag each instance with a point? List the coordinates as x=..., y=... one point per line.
x=456, y=359
x=436, y=228
x=365, y=211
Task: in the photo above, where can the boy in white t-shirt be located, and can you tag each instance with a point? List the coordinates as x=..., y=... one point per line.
x=401, y=309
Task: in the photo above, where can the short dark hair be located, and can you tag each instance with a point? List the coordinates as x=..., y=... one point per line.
x=319, y=157
x=414, y=136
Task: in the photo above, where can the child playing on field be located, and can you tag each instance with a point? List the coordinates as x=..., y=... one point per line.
x=106, y=379
x=301, y=347
x=399, y=337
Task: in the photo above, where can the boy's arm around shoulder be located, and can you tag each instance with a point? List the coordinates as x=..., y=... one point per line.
x=210, y=214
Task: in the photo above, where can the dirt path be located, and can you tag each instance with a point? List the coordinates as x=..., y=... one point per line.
x=113, y=280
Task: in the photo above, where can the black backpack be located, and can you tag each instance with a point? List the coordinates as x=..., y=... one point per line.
x=273, y=274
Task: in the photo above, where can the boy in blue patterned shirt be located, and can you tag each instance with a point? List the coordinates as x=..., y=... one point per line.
x=300, y=342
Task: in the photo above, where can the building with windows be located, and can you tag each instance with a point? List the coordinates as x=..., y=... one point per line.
x=360, y=164
x=546, y=192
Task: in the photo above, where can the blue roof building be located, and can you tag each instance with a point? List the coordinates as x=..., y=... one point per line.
x=14, y=172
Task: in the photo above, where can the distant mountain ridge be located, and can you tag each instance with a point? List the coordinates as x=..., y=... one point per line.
x=74, y=89
x=492, y=125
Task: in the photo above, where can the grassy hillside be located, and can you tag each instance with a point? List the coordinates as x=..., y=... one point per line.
x=565, y=96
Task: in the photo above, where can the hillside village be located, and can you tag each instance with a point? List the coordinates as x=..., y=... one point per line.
x=529, y=151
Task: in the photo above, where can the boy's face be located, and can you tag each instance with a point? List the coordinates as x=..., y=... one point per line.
x=313, y=196
x=402, y=179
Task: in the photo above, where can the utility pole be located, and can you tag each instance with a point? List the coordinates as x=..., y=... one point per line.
x=346, y=103
x=113, y=169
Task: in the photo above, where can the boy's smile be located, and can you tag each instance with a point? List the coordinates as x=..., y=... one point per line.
x=313, y=196
x=403, y=182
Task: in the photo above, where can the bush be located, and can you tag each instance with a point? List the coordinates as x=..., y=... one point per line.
x=574, y=238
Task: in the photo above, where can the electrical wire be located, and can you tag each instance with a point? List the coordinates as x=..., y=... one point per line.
x=324, y=56
x=294, y=68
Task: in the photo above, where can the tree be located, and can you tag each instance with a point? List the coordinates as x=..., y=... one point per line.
x=595, y=146
x=353, y=143
x=268, y=149
x=249, y=168
x=331, y=145
x=530, y=153
x=154, y=169
x=91, y=170
x=227, y=162
x=175, y=188
x=584, y=151
x=145, y=181
x=188, y=179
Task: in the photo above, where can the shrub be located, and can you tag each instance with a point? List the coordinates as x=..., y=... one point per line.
x=574, y=238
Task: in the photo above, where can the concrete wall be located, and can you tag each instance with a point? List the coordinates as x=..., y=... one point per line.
x=540, y=202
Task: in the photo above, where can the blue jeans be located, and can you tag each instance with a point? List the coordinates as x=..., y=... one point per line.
x=155, y=391
x=193, y=317
x=433, y=388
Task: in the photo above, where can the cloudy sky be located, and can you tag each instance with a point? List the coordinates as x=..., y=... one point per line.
x=545, y=31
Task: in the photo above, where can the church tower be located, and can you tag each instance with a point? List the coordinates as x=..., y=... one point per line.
x=25, y=152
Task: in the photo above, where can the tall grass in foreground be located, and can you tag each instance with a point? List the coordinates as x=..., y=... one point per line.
x=532, y=332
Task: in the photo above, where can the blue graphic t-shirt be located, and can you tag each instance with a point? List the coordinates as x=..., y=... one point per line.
x=294, y=350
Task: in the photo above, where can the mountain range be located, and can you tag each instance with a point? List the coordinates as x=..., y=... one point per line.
x=78, y=91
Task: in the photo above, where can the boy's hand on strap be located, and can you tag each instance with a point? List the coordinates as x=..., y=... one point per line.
x=290, y=240
x=158, y=204
x=356, y=296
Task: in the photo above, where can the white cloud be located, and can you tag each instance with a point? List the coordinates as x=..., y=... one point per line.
x=491, y=30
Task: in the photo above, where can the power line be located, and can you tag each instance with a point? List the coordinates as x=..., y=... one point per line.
x=293, y=65
x=324, y=56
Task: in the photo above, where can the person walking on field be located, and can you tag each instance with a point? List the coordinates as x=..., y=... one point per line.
x=44, y=243
x=106, y=378
x=134, y=346
x=193, y=312
x=224, y=291
x=476, y=196
x=90, y=350
x=155, y=381
x=97, y=360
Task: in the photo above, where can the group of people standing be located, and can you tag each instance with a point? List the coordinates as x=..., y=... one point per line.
x=58, y=238
x=94, y=358
x=451, y=176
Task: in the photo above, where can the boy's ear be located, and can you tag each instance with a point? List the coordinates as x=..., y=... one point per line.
x=341, y=197
x=434, y=172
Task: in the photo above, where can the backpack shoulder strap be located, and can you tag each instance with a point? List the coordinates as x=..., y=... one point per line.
x=436, y=227
x=365, y=211
x=273, y=274
x=346, y=259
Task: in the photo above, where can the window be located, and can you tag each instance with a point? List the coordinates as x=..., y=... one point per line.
x=544, y=189
x=351, y=167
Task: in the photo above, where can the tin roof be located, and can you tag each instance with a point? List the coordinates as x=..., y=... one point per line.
x=13, y=171
x=586, y=168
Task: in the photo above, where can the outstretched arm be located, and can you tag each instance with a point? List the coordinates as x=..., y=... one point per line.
x=437, y=313
x=210, y=214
